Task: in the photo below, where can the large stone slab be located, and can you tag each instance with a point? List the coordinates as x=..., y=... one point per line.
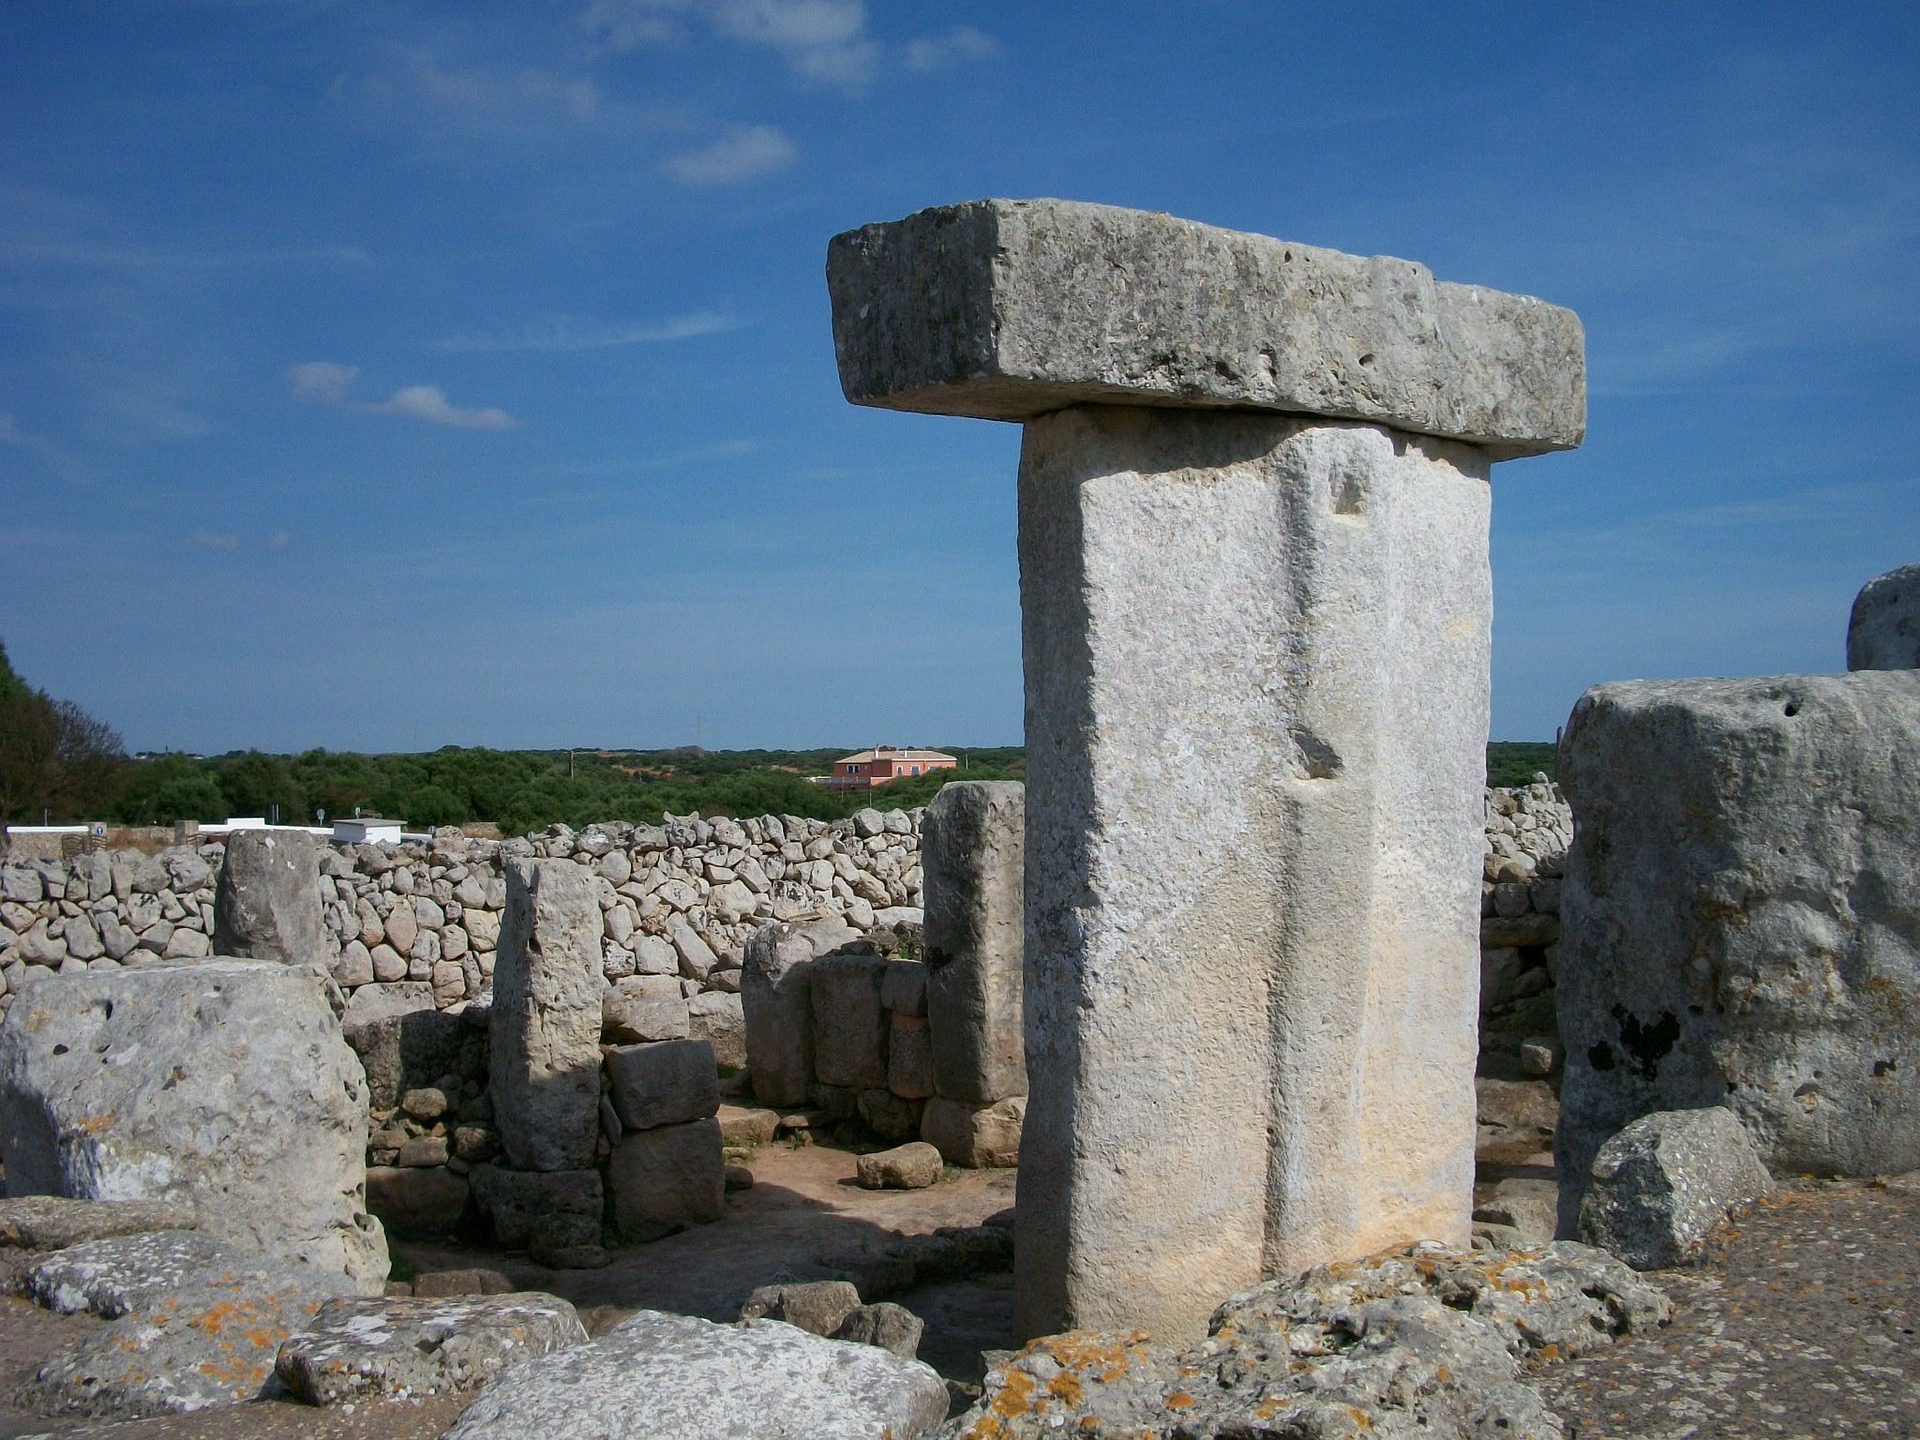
x=1741, y=915
x=850, y=1025
x=672, y=1377
x=972, y=853
x=1011, y=309
x=402, y=1348
x=266, y=904
x=661, y=1179
x=195, y=1324
x=548, y=1211
x=52, y=1222
x=224, y=1084
x=544, y=1061
x=1257, y=701
x=668, y=1082
x=405, y=1049
x=1883, y=632
x=776, y=1002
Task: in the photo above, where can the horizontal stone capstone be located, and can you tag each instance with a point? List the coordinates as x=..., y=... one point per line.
x=1007, y=309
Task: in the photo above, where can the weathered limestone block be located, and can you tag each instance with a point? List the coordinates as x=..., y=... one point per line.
x=776, y=1001
x=551, y=1211
x=975, y=1137
x=910, y=1057
x=1883, y=633
x=1011, y=309
x=225, y=1084
x=1257, y=680
x=404, y=1043
x=718, y=1018
x=1256, y=657
x=972, y=850
x=1657, y=1189
x=666, y=1083
x=390, y=1348
x=673, y=1377
x=850, y=1024
x=818, y=1307
x=266, y=905
x=630, y=1017
x=545, y=1055
x=53, y=1222
x=417, y=1202
x=913, y=1166
x=1742, y=917
x=195, y=1322
x=667, y=1177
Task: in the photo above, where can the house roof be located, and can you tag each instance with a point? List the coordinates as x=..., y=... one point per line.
x=889, y=752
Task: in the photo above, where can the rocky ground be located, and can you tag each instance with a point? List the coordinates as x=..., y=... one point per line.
x=803, y=1219
x=1799, y=1321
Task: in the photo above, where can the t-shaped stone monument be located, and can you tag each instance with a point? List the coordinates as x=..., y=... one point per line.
x=1256, y=602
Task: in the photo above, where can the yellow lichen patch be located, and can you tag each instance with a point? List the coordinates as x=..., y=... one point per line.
x=1066, y=1386
x=1180, y=1400
x=95, y=1124
x=1360, y=1418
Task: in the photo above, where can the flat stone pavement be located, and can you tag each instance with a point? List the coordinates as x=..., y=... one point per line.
x=1800, y=1321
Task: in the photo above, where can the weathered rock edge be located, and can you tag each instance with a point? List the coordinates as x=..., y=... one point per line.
x=1424, y=1341
x=1007, y=309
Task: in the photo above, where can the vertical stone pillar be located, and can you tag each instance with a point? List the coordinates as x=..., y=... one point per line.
x=544, y=1059
x=1883, y=631
x=1256, y=651
x=266, y=903
x=972, y=847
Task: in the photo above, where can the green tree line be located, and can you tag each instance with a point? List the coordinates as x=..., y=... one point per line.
x=57, y=761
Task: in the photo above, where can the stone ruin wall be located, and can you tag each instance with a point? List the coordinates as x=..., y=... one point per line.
x=679, y=901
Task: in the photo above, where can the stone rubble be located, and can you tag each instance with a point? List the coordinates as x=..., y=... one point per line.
x=1425, y=1342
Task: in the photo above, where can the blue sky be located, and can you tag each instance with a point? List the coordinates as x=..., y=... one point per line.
x=388, y=376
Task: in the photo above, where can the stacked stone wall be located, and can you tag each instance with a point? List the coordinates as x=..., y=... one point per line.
x=1529, y=828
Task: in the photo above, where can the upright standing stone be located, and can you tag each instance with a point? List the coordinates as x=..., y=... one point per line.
x=1741, y=916
x=972, y=844
x=266, y=905
x=1257, y=688
x=1883, y=633
x=544, y=1061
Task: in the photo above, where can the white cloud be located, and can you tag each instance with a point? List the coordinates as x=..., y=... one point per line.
x=322, y=382
x=958, y=46
x=208, y=541
x=480, y=91
x=429, y=403
x=820, y=40
x=745, y=153
x=564, y=333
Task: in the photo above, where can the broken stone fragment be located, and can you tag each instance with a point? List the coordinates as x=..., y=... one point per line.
x=395, y=1348
x=913, y=1166
x=1657, y=1189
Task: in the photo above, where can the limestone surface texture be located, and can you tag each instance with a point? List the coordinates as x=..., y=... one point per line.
x=972, y=857
x=673, y=1377
x=266, y=905
x=1256, y=657
x=1742, y=917
x=776, y=1001
x=1432, y=1343
x=1883, y=633
x=195, y=1324
x=975, y=1137
x=53, y=1222
x=1010, y=309
x=401, y=1348
x=850, y=1025
x=547, y=1212
x=223, y=1084
x=666, y=1083
x=1659, y=1187
x=545, y=1058
x=664, y=1178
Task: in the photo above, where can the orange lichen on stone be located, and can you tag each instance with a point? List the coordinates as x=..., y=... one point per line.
x=1179, y=1400
x=95, y=1124
x=1066, y=1386
x=1360, y=1418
